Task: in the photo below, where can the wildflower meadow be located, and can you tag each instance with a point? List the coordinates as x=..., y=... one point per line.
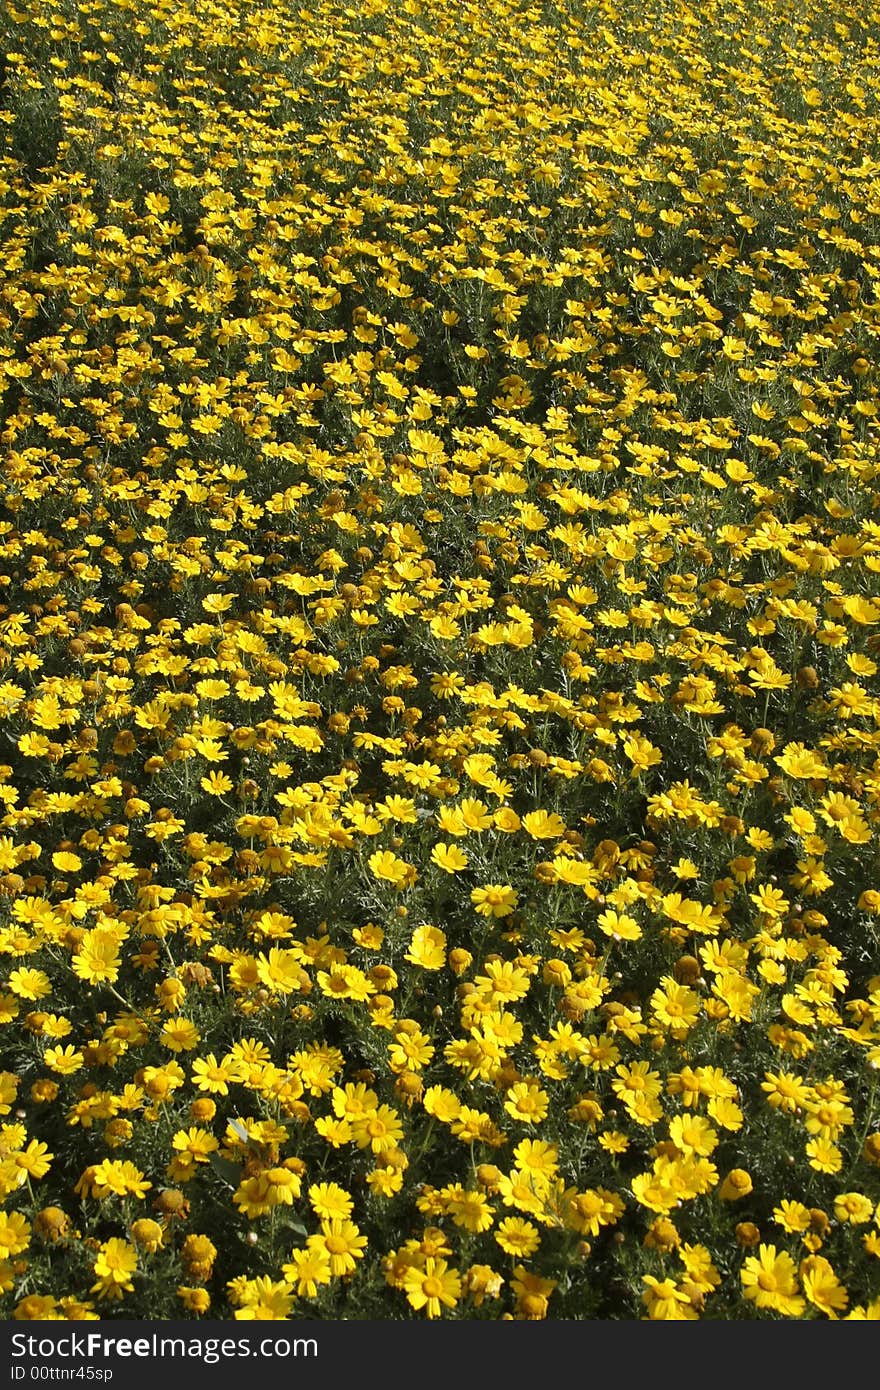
x=440, y=624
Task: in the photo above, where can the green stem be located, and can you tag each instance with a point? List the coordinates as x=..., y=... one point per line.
x=869, y=1115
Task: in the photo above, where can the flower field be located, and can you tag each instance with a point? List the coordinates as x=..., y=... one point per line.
x=440, y=624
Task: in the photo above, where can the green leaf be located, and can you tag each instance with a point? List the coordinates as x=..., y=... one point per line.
x=292, y=1225
x=229, y=1172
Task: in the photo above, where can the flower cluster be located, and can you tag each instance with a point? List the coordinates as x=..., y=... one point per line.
x=438, y=648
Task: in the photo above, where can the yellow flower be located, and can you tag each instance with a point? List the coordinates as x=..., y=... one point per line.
x=216, y=783
x=675, y=1006
x=29, y=984
x=516, y=1236
x=532, y=1293
x=210, y=1075
x=148, y=1235
x=822, y=1287
x=378, y=1131
x=330, y=1201
x=198, y=1254
x=98, y=959
x=853, y=1207
x=527, y=1102
x=385, y=1182
x=495, y=900
x=449, y=858
x=824, y=1156
x=64, y=1060
x=37, y=1308
x=736, y=1185
x=433, y=1287
x=35, y=1160
x=264, y=1300
x=52, y=1224
x=481, y=1282
x=114, y=1265
x=66, y=862
x=341, y=1241
x=194, y=1300
x=443, y=1104
x=543, y=825
x=427, y=948
x=15, y=1233
x=180, y=1035
x=619, y=925
x=769, y=1280
x=308, y=1270
x=386, y=865
x=665, y=1301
